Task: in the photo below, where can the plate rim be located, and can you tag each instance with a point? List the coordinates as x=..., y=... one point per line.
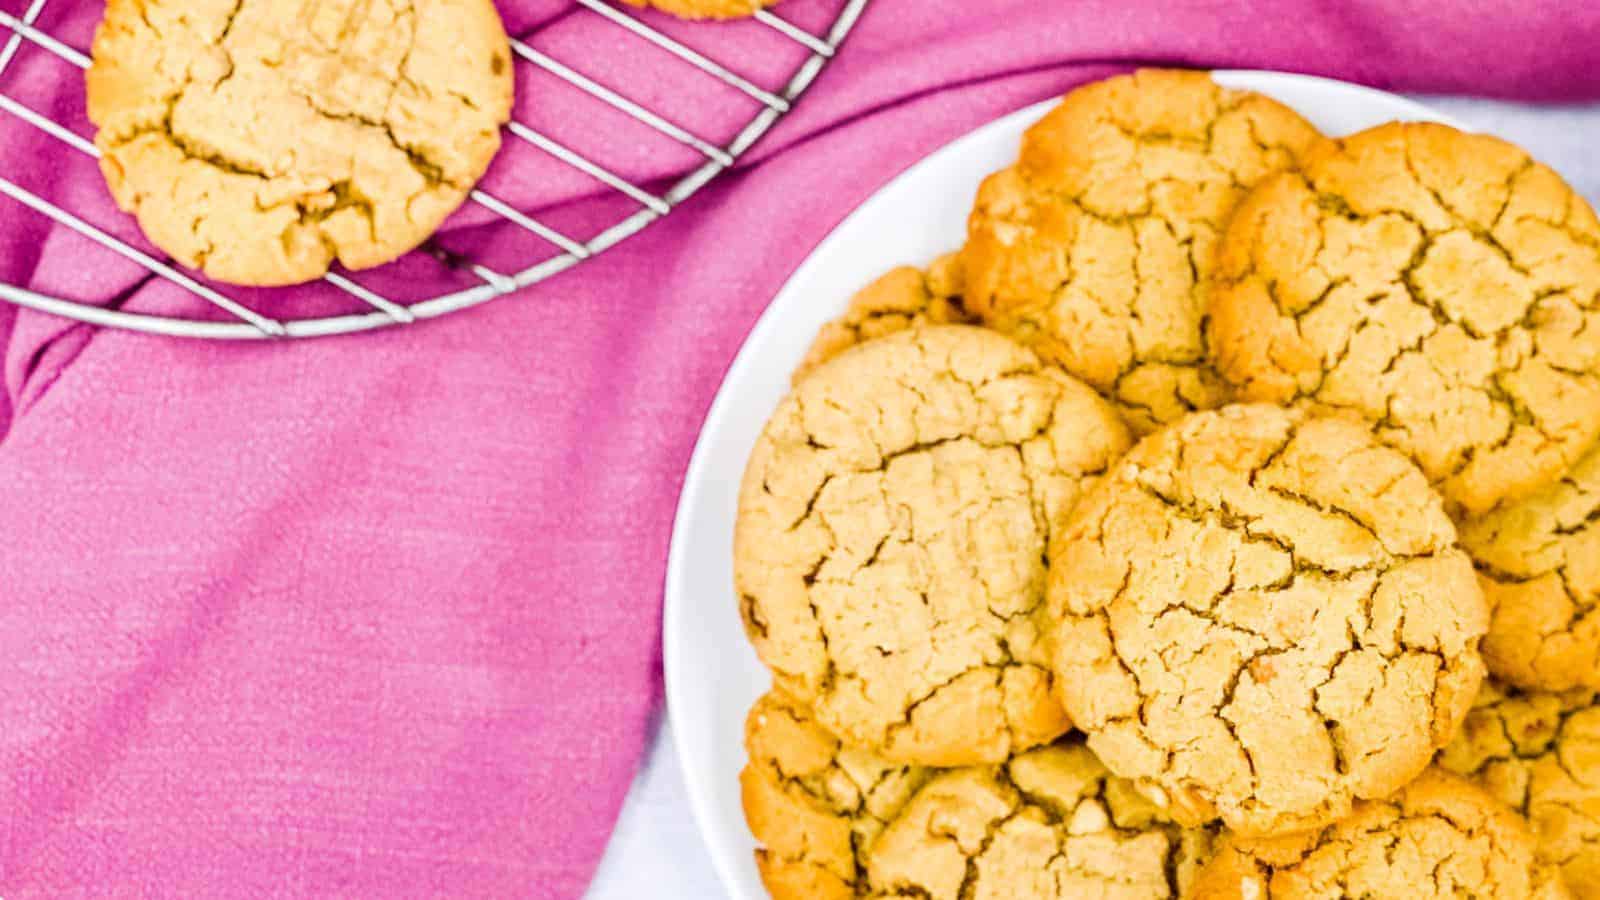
x=672, y=621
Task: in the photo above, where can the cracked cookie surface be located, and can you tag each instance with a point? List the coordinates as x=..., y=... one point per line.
x=1539, y=562
x=259, y=141
x=836, y=823
x=1439, y=837
x=1539, y=753
x=1095, y=246
x=705, y=9
x=813, y=804
x=1262, y=617
x=1442, y=285
x=889, y=547
x=1050, y=824
x=903, y=297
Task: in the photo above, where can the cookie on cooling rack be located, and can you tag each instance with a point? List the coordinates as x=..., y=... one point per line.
x=1263, y=617
x=1539, y=753
x=899, y=299
x=1439, y=837
x=836, y=823
x=262, y=141
x=1443, y=285
x=1094, y=247
x=705, y=9
x=1539, y=562
x=889, y=548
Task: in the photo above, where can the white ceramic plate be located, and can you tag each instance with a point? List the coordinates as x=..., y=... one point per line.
x=712, y=674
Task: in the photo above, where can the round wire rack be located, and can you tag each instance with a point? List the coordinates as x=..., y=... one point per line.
x=551, y=249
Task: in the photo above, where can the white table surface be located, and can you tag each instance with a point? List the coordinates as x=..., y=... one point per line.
x=656, y=851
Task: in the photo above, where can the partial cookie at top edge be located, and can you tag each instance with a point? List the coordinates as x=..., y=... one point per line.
x=1539, y=753
x=836, y=823
x=901, y=298
x=1095, y=246
x=1539, y=562
x=889, y=548
x=705, y=9
x=1263, y=617
x=1442, y=285
x=1439, y=837
x=260, y=144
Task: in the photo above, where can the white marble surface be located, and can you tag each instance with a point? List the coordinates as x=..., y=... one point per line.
x=655, y=850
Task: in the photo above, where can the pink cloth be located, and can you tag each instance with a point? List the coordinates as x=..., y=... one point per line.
x=378, y=616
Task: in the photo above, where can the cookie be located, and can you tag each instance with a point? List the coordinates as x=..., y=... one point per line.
x=1094, y=247
x=1263, y=617
x=1539, y=561
x=1539, y=753
x=889, y=548
x=897, y=300
x=1439, y=837
x=260, y=141
x=813, y=804
x=1051, y=824
x=836, y=823
x=705, y=9
x=1442, y=285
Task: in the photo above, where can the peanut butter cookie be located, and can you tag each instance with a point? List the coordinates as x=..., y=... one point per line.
x=897, y=300
x=889, y=549
x=705, y=9
x=1264, y=617
x=814, y=805
x=1539, y=561
x=836, y=823
x=1439, y=837
x=1539, y=753
x=1094, y=247
x=1051, y=824
x=1442, y=285
x=259, y=141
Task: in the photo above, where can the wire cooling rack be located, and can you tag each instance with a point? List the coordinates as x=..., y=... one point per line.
x=551, y=251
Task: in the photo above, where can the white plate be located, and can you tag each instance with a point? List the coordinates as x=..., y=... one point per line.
x=712, y=674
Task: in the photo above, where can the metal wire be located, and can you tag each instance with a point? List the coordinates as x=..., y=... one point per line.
x=247, y=323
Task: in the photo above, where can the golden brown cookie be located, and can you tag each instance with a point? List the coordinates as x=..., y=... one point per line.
x=897, y=300
x=260, y=140
x=1540, y=754
x=1539, y=560
x=1442, y=285
x=1263, y=617
x=1051, y=824
x=1440, y=837
x=836, y=823
x=1094, y=248
x=812, y=804
x=889, y=549
x=705, y=9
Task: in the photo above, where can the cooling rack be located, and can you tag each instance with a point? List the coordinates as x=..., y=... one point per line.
x=551, y=249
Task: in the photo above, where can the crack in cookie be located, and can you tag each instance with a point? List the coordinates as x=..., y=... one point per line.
x=261, y=141
x=890, y=544
x=1094, y=249
x=1539, y=561
x=1539, y=753
x=1263, y=617
x=1441, y=285
x=836, y=823
x=1439, y=837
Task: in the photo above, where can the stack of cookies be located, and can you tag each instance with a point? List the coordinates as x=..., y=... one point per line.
x=1221, y=521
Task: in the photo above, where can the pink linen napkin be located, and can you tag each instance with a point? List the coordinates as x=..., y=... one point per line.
x=378, y=616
